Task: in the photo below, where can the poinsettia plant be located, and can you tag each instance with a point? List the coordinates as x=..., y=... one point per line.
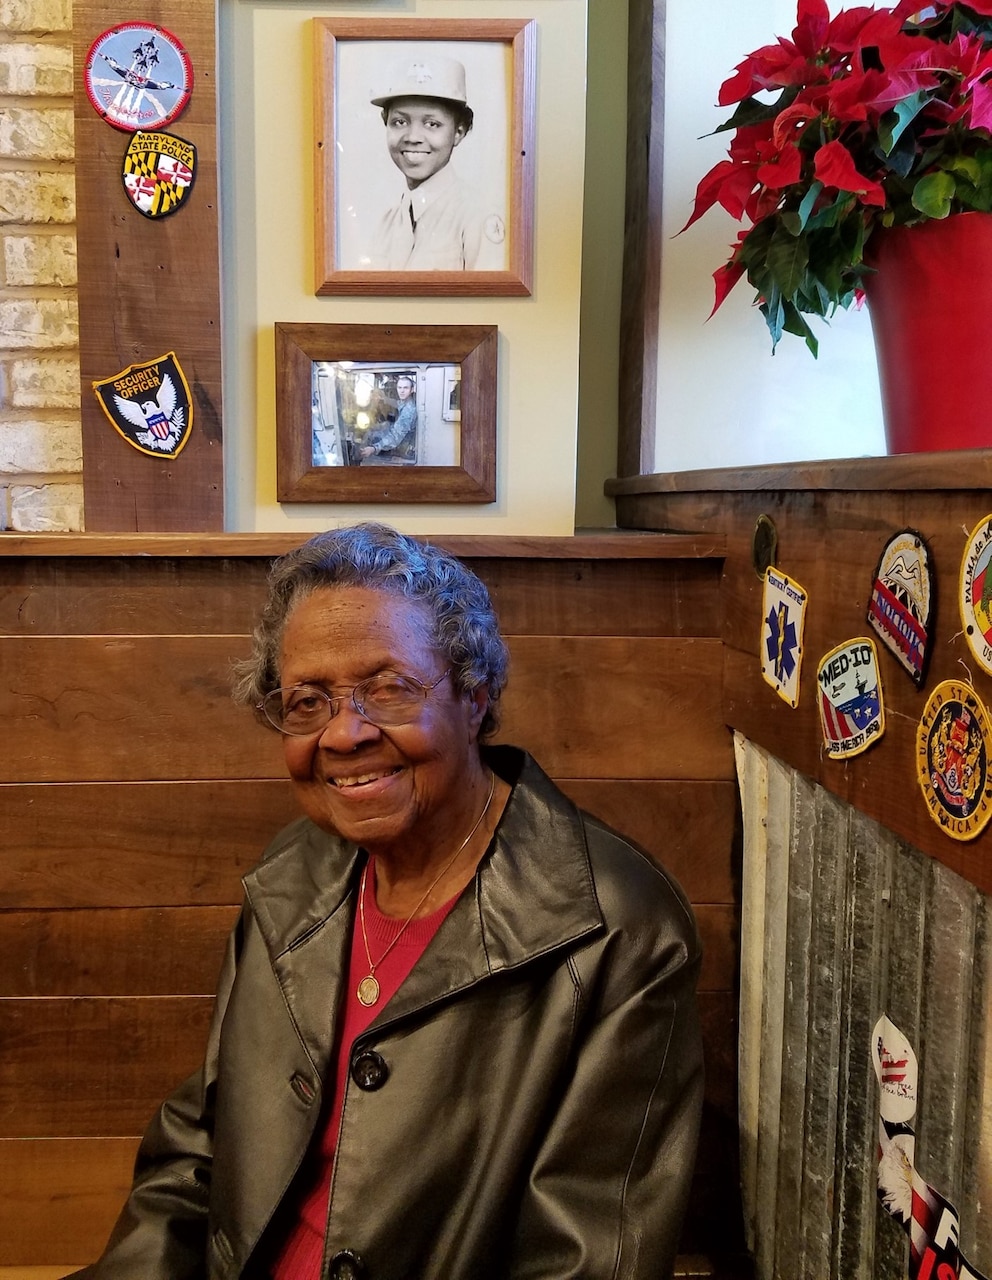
x=875, y=118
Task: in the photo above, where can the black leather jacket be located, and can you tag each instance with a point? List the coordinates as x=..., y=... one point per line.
x=527, y=1103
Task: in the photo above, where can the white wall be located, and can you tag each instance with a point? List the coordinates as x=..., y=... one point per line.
x=266, y=87
x=723, y=400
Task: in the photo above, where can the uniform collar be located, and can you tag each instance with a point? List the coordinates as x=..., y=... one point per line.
x=430, y=190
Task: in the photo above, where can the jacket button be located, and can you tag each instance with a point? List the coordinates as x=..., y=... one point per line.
x=347, y=1265
x=369, y=1070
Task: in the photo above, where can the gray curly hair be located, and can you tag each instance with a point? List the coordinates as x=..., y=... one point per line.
x=465, y=630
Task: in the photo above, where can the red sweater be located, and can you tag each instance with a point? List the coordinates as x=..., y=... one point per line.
x=303, y=1213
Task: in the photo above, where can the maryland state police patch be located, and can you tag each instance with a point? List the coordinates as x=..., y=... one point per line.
x=953, y=747
x=149, y=405
x=158, y=172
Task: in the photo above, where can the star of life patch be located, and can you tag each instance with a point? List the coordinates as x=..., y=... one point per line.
x=852, y=714
x=783, y=616
x=953, y=749
x=900, y=609
x=149, y=405
x=158, y=172
x=975, y=595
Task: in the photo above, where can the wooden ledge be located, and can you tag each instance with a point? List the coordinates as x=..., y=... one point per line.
x=607, y=544
x=961, y=469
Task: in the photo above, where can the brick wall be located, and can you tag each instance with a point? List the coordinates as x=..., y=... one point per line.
x=40, y=445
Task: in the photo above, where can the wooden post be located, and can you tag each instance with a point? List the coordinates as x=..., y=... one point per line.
x=148, y=287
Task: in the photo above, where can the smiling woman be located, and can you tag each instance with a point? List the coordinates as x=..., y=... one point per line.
x=443, y=934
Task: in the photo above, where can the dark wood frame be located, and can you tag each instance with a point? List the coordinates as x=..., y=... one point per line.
x=521, y=35
x=473, y=347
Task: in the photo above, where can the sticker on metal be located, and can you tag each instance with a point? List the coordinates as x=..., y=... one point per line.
x=976, y=592
x=901, y=606
x=158, y=172
x=138, y=76
x=953, y=749
x=149, y=405
x=783, y=615
x=852, y=714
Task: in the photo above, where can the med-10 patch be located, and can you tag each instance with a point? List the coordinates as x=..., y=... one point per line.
x=852, y=715
x=149, y=405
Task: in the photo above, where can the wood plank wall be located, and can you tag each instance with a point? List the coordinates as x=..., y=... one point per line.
x=842, y=922
x=830, y=540
x=136, y=795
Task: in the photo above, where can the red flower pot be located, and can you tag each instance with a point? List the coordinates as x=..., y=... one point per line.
x=931, y=314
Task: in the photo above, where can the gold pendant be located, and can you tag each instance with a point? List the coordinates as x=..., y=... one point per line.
x=368, y=991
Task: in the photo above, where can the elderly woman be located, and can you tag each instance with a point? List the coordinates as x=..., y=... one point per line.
x=455, y=1034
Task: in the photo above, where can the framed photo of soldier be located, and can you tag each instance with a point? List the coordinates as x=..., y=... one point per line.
x=364, y=413
x=424, y=156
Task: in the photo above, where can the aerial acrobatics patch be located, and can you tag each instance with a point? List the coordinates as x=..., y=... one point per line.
x=901, y=605
x=953, y=749
x=976, y=592
x=783, y=614
x=150, y=405
x=850, y=694
x=138, y=76
x=158, y=172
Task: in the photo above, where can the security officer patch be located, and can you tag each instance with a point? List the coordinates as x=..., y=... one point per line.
x=953, y=749
x=149, y=405
x=158, y=172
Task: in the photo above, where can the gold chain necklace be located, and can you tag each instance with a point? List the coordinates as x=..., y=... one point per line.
x=368, y=988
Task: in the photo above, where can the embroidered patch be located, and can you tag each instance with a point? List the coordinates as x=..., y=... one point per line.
x=138, y=76
x=953, y=747
x=150, y=405
x=850, y=695
x=976, y=593
x=494, y=229
x=158, y=172
x=783, y=612
x=901, y=605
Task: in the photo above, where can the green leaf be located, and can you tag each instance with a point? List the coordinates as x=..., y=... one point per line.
x=894, y=123
x=933, y=194
x=809, y=200
x=794, y=323
x=754, y=111
x=787, y=260
x=791, y=222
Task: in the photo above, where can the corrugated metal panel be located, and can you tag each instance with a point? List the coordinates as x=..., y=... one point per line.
x=842, y=922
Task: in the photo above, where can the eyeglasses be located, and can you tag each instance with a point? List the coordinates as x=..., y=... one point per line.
x=385, y=700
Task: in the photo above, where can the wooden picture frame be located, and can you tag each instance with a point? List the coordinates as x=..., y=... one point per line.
x=327, y=453
x=362, y=204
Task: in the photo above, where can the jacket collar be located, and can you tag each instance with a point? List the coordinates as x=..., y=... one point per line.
x=533, y=894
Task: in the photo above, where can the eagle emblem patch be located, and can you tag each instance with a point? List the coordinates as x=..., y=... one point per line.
x=149, y=405
x=158, y=172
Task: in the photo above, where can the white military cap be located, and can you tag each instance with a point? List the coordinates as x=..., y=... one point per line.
x=422, y=75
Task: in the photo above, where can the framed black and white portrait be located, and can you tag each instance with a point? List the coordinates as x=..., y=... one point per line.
x=424, y=156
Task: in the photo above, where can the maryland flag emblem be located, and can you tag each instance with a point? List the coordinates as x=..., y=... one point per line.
x=149, y=405
x=158, y=172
